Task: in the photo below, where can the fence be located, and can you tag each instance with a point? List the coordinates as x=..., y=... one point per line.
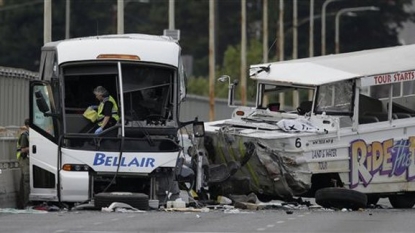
x=14, y=108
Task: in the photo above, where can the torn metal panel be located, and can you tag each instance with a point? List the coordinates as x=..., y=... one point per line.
x=270, y=170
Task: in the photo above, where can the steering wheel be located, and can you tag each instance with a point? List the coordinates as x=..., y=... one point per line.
x=300, y=111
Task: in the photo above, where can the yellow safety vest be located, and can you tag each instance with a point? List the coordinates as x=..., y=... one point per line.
x=19, y=147
x=114, y=110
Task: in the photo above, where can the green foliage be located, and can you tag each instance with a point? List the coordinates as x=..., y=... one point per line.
x=21, y=28
x=232, y=67
x=198, y=86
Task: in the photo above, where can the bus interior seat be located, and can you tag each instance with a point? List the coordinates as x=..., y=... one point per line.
x=274, y=107
x=382, y=116
x=305, y=107
x=369, y=104
x=77, y=123
x=401, y=115
x=367, y=119
x=398, y=108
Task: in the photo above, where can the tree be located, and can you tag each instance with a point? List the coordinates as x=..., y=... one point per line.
x=21, y=28
x=19, y=40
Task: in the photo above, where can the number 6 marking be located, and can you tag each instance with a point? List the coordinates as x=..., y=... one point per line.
x=298, y=142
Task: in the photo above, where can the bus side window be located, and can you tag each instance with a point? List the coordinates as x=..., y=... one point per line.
x=39, y=119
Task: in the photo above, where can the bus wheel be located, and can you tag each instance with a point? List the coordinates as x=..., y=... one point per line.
x=136, y=200
x=405, y=201
x=340, y=198
x=372, y=199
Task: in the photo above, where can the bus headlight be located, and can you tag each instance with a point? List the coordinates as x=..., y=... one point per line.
x=75, y=167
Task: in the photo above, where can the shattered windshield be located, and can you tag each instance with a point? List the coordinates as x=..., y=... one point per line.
x=282, y=98
x=335, y=98
x=147, y=91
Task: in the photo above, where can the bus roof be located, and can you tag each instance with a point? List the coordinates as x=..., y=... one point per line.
x=149, y=48
x=317, y=71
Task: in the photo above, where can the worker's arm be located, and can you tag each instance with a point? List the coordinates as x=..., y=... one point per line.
x=24, y=150
x=105, y=121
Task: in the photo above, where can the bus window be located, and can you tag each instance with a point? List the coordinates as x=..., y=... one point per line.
x=39, y=119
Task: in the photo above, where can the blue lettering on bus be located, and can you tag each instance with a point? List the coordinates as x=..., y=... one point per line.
x=112, y=161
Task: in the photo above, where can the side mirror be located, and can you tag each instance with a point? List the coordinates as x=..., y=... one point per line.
x=231, y=88
x=41, y=102
x=199, y=129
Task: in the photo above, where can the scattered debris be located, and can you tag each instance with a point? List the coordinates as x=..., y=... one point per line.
x=222, y=200
x=24, y=211
x=121, y=207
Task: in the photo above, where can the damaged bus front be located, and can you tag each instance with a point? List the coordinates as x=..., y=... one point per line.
x=68, y=162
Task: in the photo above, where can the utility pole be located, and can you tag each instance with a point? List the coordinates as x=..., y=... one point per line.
x=47, y=21
x=265, y=37
x=265, y=31
x=281, y=45
x=281, y=31
x=311, y=41
x=120, y=16
x=171, y=14
x=296, y=97
x=311, y=33
x=67, y=19
x=295, y=28
x=243, y=52
x=212, y=60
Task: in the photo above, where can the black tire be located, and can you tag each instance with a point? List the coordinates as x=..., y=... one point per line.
x=405, y=201
x=340, y=198
x=136, y=200
x=372, y=199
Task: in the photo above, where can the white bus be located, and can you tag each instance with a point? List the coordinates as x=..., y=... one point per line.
x=138, y=155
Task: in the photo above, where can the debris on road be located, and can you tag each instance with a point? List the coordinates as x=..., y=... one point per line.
x=121, y=208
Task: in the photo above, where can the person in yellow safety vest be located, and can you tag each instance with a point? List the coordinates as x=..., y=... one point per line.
x=23, y=159
x=107, y=110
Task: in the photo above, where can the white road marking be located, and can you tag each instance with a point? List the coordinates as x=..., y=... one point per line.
x=280, y=222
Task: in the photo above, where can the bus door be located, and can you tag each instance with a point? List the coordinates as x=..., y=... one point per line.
x=43, y=140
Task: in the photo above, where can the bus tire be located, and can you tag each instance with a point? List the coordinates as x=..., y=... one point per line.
x=405, y=201
x=340, y=198
x=372, y=199
x=136, y=200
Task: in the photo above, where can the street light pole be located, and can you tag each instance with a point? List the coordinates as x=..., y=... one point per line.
x=323, y=25
x=345, y=10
